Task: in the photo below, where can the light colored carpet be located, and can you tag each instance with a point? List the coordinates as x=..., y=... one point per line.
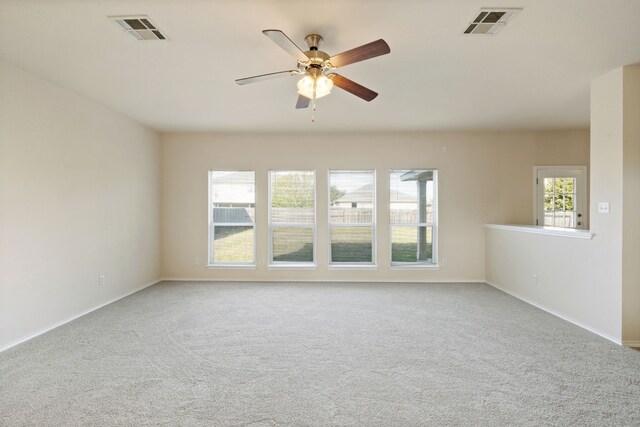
x=319, y=354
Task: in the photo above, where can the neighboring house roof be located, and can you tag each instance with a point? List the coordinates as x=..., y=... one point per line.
x=400, y=197
x=363, y=195
x=237, y=177
x=237, y=187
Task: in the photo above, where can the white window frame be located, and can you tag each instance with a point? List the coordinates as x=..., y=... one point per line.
x=292, y=264
x=374, y=252
x=434, y=224
x=212, y=225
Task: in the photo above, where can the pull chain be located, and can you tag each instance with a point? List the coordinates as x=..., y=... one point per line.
x=313, y=109
x=313, y=105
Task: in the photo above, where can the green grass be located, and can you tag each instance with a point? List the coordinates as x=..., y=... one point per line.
x=404, y=246
x=348, y=244
x=351, y=244
x=233, y=244
x=293, y=244
x=350, y=252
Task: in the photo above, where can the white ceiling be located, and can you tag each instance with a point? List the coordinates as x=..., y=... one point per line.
x=535, y=74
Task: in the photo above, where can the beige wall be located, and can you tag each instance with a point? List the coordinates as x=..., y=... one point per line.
x=79, y=197
x=483, y=177
x=573, y=281
x=631, y=212
x=595, y=283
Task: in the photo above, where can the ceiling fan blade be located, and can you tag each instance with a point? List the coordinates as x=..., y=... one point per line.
x=261, y=77
x=353, y=87
x=286, y=43
x=367, y=51
x=303, y=102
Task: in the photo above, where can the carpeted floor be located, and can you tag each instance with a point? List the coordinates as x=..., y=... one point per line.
x=319, y=354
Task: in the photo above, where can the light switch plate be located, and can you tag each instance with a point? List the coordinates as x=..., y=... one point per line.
x=603, y=207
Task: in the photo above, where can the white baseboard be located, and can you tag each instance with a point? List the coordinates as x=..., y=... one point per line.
x=209, y=279
x=631, y=343
x=69, y=319
x=555, y=313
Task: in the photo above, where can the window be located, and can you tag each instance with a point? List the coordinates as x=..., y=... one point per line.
x=292, y=217
x=231, y=217
x=560, y=196
x=559, y=202
x=413, y=216
x=352, y=217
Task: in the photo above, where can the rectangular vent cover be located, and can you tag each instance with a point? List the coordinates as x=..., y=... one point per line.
x=490, y=21
x=140, y=27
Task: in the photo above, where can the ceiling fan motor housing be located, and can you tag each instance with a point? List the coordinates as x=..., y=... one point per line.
x=317, y=58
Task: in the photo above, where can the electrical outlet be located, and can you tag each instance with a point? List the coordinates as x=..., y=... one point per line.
x=534, y=279
x=196, y=261
x=444, y=262
x=101, y=280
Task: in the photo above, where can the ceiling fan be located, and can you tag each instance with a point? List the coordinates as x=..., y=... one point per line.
x=317, y=67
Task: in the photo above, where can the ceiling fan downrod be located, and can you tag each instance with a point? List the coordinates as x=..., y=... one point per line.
x=313, y=41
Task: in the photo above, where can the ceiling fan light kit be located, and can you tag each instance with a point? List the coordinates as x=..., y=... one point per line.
x=317, y=67
x=314, y=87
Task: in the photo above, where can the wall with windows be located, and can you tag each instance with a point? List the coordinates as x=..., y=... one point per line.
x=483, y=177
x=79, y=198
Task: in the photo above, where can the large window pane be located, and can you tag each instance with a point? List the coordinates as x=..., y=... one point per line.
x=232, y=221
x=292, y=244
x=411, y=244
x=292, y=196
x=292, y=216
x=232, y=188
x=352, y=244
x=233, y=244
x=411, y=196
x=351, y=196
x=559, y=202
x=412, y=216
x=352, y=217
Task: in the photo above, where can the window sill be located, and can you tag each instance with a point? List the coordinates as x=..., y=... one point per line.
x=351, y=267
x=232, y=266
x=415, y=267
x=549, y=231
x=292, y=267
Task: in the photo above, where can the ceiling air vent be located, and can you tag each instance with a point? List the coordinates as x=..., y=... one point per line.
x=140, y=27
x=490, y=21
